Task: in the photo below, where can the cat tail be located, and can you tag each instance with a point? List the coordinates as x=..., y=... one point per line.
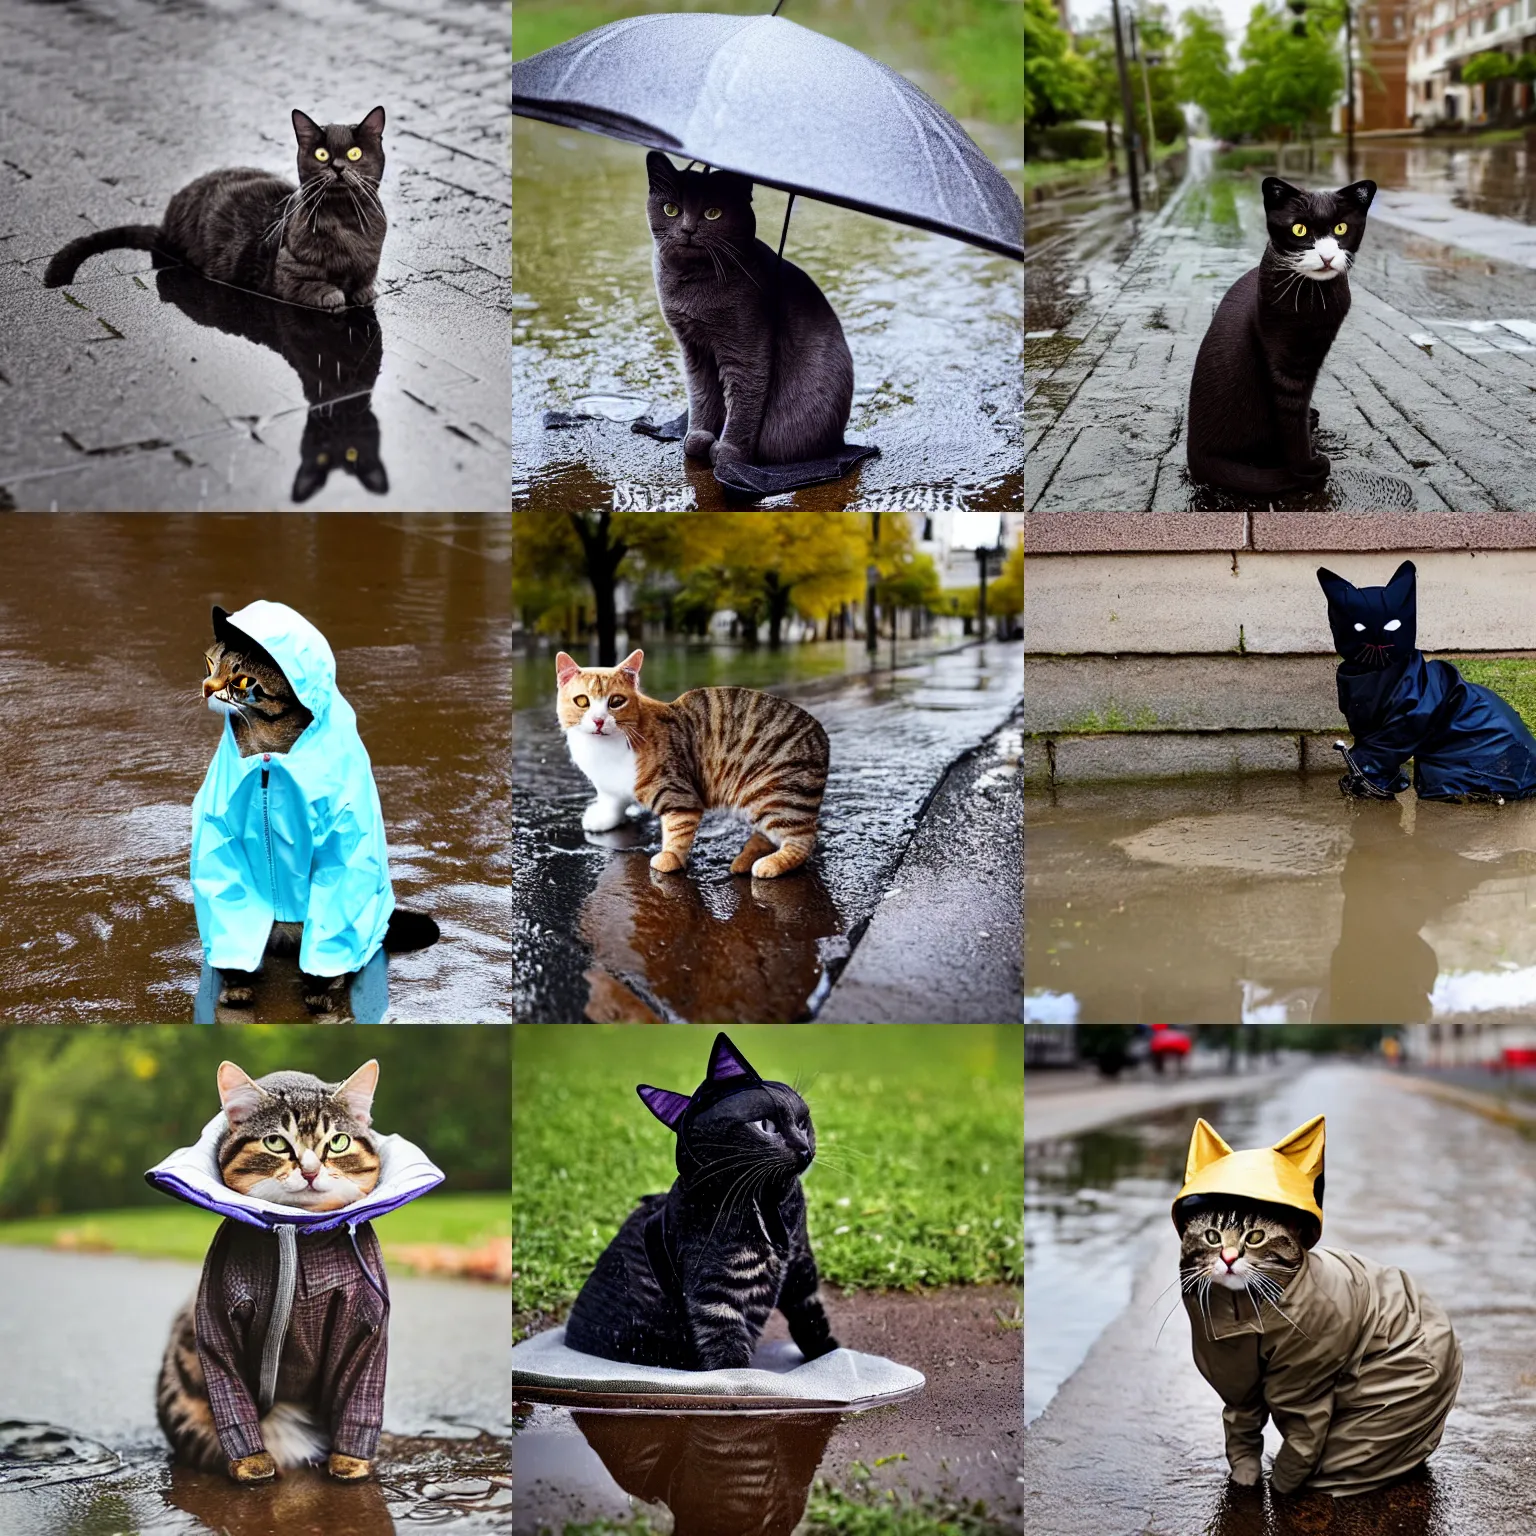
x=292, y=1436
x=410, y=930
x=121, y=237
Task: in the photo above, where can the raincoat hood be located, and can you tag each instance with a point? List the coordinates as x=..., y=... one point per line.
x=192, y=1174
x=1290, y=1173
x=297, y=836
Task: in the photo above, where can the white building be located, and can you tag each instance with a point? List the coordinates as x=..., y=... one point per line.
x=1446, y=34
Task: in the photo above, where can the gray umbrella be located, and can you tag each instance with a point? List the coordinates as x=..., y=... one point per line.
x=783, y=105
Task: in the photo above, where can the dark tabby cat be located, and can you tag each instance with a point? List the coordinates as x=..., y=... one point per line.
x=244, y=682
x=292, y=1140
x=770, y=377
x=336, y=357
x=317, y=244
x=690, y=1278
x=728, y=747
x=1250, y=401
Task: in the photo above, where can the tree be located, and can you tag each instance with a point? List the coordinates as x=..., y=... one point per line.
x=1484, y=67
x=1005, y=595
x=1203, y=69
x=1055, y=81
x=1289, y=83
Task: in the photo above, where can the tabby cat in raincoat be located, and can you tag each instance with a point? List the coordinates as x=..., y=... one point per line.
x=1356, y=1366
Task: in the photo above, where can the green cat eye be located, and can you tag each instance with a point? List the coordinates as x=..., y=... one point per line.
x=711, y=213
x=1254, y=1239
x=1212, y=1238
x=670, y=209
x=339, y=1143
x=274, y=1143
x=322, y=155
x=580, y=701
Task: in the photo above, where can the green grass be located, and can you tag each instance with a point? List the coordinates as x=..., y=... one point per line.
x=184, y=1232
x=1112, y=719
x=1040, y=173
x=1512, y=677
x=919, y=1173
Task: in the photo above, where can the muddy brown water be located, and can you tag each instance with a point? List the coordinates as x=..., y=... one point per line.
x=103, y=621
x=933, y=326
x=750, y=1474
x=1131, y=1441
x=1273, y=899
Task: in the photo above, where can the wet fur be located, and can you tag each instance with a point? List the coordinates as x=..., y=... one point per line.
x=734, y=1271
x=1250, y=400
x=770, y=377
x=307, y=1113
x=316, y=244
x=733, y=748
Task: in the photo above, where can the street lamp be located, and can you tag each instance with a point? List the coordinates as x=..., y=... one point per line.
x=1125, y=107
x=983, y=533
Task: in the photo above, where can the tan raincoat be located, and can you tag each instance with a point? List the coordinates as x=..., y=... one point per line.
x=1359, y=1380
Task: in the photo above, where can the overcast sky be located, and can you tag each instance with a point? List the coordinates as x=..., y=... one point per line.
x=1234, y=12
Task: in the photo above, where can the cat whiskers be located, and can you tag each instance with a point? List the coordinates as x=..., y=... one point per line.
x=737, y=259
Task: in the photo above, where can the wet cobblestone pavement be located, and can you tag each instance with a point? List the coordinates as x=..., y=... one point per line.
x=1425, y=401
x=130, y=389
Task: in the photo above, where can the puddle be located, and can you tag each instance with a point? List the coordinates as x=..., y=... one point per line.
x=1093, y=1205
x=1273, y=899
x=103, y=621
x=34, y=1454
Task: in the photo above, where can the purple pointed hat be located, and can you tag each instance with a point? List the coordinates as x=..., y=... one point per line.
x=729, y=1072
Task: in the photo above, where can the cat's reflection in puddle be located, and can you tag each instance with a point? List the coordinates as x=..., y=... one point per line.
x=721, y=1474
x=336, y=356
x=302, y=1500
x=698, y=946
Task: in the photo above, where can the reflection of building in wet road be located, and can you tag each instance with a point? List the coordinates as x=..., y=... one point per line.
x=117, y=399
x=103, y=624
x=1125, y=1435
x=599, y=935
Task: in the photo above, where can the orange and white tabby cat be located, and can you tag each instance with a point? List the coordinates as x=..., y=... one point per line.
x=732, y=748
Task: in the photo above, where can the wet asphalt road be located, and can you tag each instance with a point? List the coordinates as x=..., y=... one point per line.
x=1424, y=399
x=598, y=935
x=932, y=325
x=103, y=622
x=1271, y=899
x=128, y=390
x=1131, y=1442
x=82, y=1335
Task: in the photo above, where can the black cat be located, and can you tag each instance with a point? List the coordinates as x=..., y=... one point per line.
x=336, y=357
x=316, y=244
x=1465, y=741
x=690, y=1278
x=1250, y=401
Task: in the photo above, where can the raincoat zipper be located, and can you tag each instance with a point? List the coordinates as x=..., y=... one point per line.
x=266, y=827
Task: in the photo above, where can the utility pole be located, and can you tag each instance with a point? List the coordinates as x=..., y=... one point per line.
x=1139, y=55
x=871, y=576
x=1125, y=107
x=981, y=587
x=1349, y=86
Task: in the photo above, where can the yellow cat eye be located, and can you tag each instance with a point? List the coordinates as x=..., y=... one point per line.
x=1298, y=229
x=580, y=701
x=354, y=153
x=1341, y=229
x=243, y=682
x=274, y=1143
x=711, y=213
x=670, y=209
x=322, y=155
x=339, y=1143
x=1254, y=1239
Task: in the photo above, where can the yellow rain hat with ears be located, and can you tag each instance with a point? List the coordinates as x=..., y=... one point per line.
x=1288, y=1173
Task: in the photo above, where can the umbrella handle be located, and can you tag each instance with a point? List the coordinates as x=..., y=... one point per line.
x=783, y=233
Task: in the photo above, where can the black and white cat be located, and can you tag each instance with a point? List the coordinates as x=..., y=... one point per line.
x=1250, y=401
x=690, y=1278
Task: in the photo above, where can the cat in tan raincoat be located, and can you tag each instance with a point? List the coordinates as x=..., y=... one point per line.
x=1357, y=1367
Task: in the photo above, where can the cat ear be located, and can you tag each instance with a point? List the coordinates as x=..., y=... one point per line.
x=565, y=669
x=1336, y=588
x=726, y=1061
x=373, y=124
x=238, y=1094
x=666, y=1106
x=1404, y=579
x=357, y=1092
x=630, y=667
x=1359, y=192
x=662, y=173
x=306, y=130
x=1304, y=1147
x=1275, y=192
x=1205, y=1148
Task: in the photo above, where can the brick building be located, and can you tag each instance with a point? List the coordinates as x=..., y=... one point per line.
x=1381, y=65
x=1445, y=34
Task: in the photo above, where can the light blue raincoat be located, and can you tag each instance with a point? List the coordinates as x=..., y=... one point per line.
x=292, y=837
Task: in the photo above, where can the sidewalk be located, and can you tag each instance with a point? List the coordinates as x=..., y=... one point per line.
x=1085, y=1108
x=1421, y=413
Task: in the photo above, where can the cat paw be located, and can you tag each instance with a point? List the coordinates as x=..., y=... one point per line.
x=324, y=994
x=725, y=453
x=363, y=297
x=667, y=862
x=333, y=298
x=697, y=444
x=1315, y=470
x=602, y=816
x=347, y=1469
x=1246, y=1474
x=259, y=1468
x=237, y=989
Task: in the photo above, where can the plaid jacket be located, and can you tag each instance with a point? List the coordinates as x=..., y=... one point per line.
x=335, y=1351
